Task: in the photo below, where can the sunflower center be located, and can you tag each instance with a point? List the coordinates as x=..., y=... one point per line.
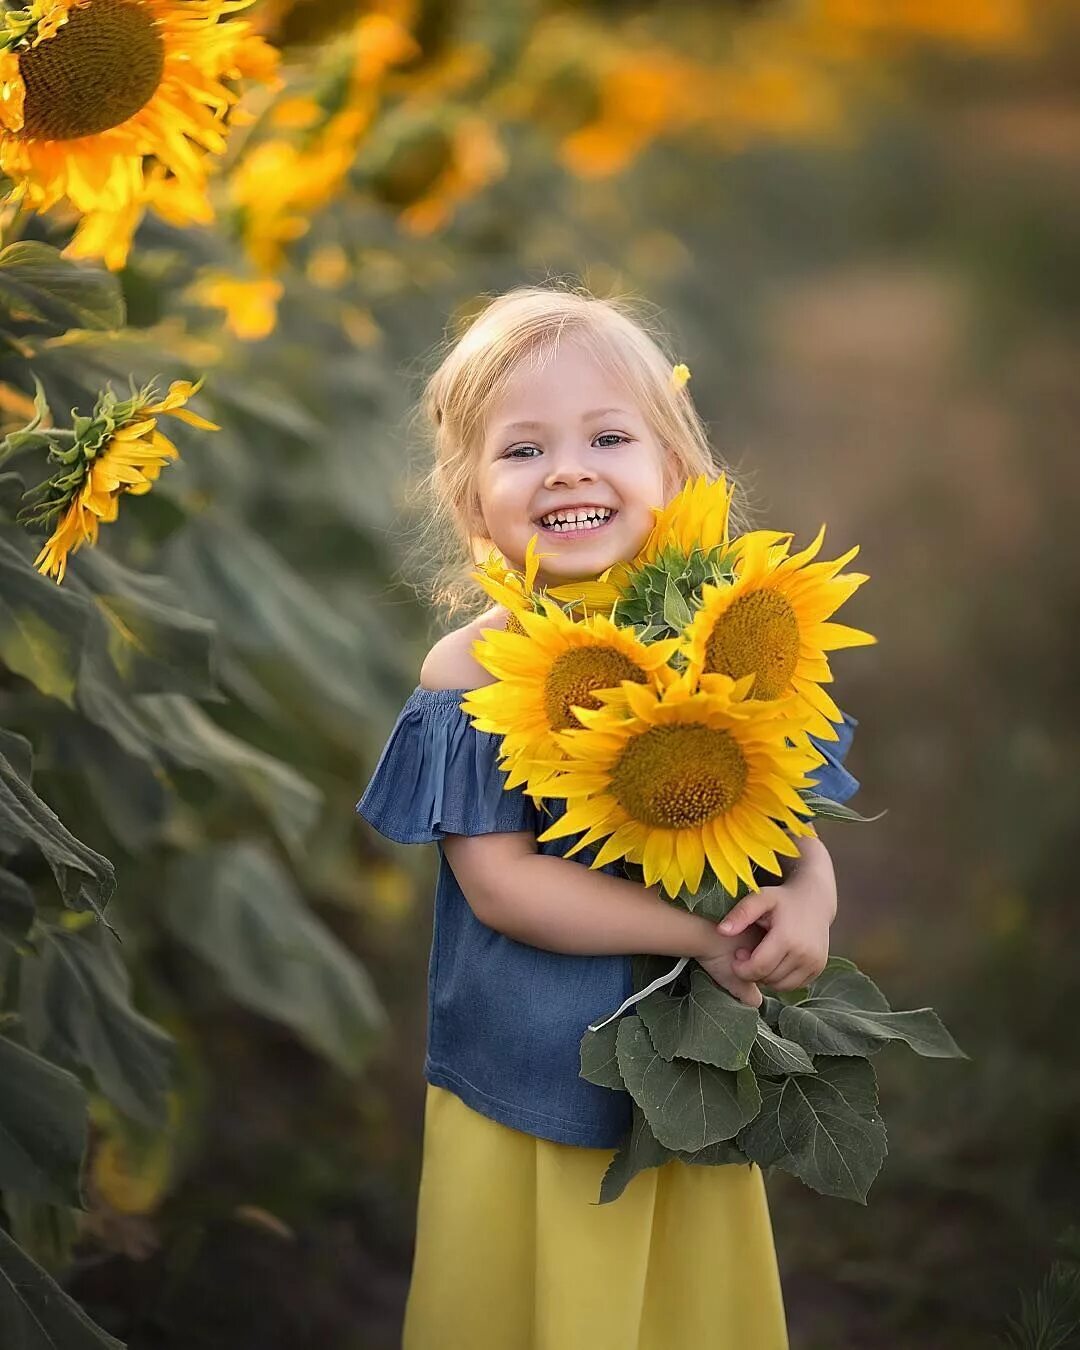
x=759, y=634
x=678, y=776
x=514, y=624
x=95, y=72
x=576, y=673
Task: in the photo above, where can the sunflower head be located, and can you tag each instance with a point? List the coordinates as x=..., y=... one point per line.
x=99, y=96
x=695, y=518
x=117, y=449
x=674, y=778
x=769, y=624
x=546, y=673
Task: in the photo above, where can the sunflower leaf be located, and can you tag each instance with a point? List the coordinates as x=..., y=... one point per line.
x=42, y=1127
x=638, y=1151
x=774, y=1056
x=599, y=1063
x=37, y=281
x=35, y=1312
x=42, y=627
x=16, y=906
x=75, y=1000
x=830, y=810
x=823, y=1128
x=830, y=1027
x=688, y=1105
x=707, y=1025
x=238, y=909
x=86, y=879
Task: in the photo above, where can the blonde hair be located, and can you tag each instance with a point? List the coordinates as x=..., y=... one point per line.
x=475, y=368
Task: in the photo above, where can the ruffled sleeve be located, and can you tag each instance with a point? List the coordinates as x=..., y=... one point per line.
x=832, y=780
x=438, y=775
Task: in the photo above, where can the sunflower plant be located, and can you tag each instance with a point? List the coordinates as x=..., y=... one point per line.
x=118, y=448
x=675, y=707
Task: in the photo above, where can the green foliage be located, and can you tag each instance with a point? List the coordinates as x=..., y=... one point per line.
x=705, y=1069
x=35, y=1312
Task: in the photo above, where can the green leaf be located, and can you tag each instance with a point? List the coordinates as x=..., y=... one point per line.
x=824, y=1128
x=85, y=878
x=277, y=631
x=843, y=982
x=830, y=810
x=41, y=626
x=599, y=1063
x=42, y=1127
x=687, y=1105
x=773, y=1056
x=35, y=280
x=710, y=900
x=75, y=1000
x=130, y=791
x=19, y=752
x=829, y=1027
x=153, y=643
x=708, y=1024
x=193, y=739
x=35, y=1312
x=238, y=909
x=676, y=611
x=638, y=1151
x=16, y=906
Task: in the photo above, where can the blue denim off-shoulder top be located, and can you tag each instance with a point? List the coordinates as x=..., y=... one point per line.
x=505, y=1019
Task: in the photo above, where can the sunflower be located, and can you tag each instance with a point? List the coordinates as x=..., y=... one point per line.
x=696, y=517
x=674, y=778
x=99, y=96
x=770, y=623
x=513, y=590
x=545, y=673
x=118, y=449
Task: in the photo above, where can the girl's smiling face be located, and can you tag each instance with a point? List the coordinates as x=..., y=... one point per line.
x=562, y=437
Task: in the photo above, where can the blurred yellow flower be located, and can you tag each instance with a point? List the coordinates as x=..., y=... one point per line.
x=250, y=304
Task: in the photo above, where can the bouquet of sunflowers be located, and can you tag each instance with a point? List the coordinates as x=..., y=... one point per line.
x=670, y=703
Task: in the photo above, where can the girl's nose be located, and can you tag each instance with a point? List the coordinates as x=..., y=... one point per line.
x=569, y=470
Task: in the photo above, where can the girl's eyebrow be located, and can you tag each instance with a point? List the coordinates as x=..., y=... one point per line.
x=585, y=417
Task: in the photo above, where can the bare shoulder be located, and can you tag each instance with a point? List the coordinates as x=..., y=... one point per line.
x=450, y=664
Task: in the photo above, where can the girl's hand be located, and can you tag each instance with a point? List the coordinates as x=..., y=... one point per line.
x=796, y=915
x=717, y=958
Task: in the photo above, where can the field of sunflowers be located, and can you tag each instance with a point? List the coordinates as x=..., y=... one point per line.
x=232, y=235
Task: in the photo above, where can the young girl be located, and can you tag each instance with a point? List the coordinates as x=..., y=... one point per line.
x=555, y=400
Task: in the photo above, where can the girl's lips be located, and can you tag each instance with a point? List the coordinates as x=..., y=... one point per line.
x=578, y=534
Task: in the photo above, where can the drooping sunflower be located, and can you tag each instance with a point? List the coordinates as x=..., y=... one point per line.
x=99, y=96
x=770, y=623
x=544, y=673
x=515, y=591
x=694, y=773
x=118, y=449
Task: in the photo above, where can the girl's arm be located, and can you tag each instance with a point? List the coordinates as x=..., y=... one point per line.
x=564, y=906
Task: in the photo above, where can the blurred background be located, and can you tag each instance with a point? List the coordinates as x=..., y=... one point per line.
x=860, y=222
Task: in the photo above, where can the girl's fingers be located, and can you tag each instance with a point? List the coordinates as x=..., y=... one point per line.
x=785, y=974
x=749, y=909
x=765, y=957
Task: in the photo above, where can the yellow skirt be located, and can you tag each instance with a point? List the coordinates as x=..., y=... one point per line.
x=513, y=1253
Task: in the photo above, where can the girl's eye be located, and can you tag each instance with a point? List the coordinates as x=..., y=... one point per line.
x=515, y=451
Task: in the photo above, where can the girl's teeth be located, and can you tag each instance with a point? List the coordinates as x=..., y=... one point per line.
x=581, y=523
